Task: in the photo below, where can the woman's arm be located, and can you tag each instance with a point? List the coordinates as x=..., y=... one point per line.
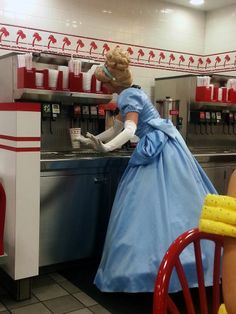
x=132, y=116
x=128, y=132
x=229, y=261
x=106, y=135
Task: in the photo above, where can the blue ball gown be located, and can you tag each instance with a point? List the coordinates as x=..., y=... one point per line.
x=160, y=195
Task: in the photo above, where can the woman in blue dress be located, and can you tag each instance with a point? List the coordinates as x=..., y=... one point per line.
x=160, y=194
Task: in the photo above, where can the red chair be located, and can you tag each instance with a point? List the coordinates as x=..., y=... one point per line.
x=162, y=302
x=2, y=217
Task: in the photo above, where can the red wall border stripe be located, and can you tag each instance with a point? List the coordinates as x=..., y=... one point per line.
x=20, y=138
x=59, y=43
x=20, y=106
x=20, y=149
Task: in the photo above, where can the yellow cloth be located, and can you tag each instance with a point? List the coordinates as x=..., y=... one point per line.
x=219, y=215
x=222, y=309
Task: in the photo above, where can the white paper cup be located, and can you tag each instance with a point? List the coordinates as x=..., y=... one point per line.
x=65, y=72
x=39, y=79
x=75, y=134
x=52, y=78
x=87, y=81
x=98, y=86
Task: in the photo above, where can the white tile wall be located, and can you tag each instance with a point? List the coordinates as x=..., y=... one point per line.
x=150, y=23
x=220, y=30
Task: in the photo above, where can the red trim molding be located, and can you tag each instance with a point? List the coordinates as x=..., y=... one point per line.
x=20, y=106
x=27, y=39
x=20, y=149
x=20, y=138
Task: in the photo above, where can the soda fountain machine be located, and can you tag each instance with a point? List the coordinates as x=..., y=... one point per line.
x=207, y=118
x=207, y=107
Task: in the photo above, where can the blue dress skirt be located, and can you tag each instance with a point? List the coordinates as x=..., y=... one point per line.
x=160, y=196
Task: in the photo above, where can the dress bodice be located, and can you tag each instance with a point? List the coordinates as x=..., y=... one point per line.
x=152, y=130
x=135, y=100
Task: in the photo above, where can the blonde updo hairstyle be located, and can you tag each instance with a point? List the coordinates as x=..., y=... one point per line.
x=117, y=62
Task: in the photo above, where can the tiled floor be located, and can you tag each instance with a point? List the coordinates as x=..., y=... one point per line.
x=115, y=303
x=70, y=289
x=52, y=293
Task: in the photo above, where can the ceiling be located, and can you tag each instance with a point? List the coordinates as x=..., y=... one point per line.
x=207, y=6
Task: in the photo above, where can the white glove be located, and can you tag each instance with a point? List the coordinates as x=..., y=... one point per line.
x=98, y=145
x=118, y=141
x=86, y=141
x=111, y=132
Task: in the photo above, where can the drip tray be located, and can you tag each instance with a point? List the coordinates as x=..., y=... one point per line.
x=66, y=155
x=215, y=151
x=83, y=153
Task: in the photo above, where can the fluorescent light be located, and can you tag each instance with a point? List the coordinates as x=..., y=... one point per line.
x=196, y=2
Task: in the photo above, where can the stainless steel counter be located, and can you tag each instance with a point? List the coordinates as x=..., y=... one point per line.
x=215, y=157
x=73, y=157
x=76, y=194
x=218, y=164
x=77, y=189
x=80, y=159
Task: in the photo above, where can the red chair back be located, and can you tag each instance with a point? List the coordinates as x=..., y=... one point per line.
x=2, y=217
x=162, y=302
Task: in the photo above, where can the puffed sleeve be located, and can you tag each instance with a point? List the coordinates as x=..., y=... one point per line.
x=131, y=100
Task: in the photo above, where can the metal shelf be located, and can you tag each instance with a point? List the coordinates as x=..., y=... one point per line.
x=213, y=105
x=65, y=97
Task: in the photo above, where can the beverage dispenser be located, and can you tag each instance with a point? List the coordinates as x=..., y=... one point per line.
x=66, y=90
x=207, y=105
x=169, y=109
